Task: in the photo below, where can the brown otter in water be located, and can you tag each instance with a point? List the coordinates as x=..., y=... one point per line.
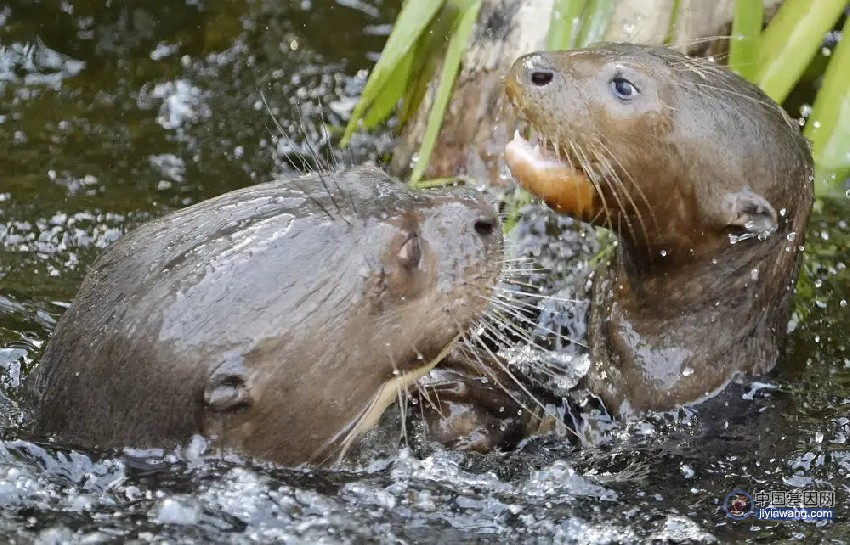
x=279, y=320
x=708, y=185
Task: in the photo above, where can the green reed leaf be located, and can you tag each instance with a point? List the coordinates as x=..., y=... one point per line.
x=412, y=21
x=828, y=126
x=595, y=21
x=746, y=33
x=790, y=42
x=439, y=182
x=675, y=11
x=429, y=53
x=391, y=92
x=563, y=24
x=451, y=66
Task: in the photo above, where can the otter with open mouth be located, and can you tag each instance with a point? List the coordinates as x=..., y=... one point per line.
x=708, y=186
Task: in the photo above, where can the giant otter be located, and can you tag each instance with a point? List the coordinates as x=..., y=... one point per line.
x=708, y=185
x=279, y=320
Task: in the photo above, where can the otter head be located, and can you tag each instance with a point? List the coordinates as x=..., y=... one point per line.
x=668, y=150
x=432, y=259
x=707, y=183
x=385, y=280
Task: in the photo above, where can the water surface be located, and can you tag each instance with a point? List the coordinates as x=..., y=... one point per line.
x=113, y=113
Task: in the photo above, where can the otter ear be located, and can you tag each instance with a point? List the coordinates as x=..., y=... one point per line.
x=225, y=389
x=751, y=212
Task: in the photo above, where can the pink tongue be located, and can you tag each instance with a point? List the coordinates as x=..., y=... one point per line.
x=563, y=188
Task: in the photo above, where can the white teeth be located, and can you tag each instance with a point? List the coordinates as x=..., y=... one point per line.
x=517, y=136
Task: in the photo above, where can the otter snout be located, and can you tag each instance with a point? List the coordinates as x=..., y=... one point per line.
x=529, y=72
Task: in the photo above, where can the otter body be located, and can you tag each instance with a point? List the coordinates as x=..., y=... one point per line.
x=708, y=185
x=279, y=320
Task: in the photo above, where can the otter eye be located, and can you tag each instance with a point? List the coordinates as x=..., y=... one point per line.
x=623, y=88
x=410, y=252
x=541, y=78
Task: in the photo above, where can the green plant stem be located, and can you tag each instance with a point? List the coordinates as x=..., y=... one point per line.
x=828, y=126
x=562, y=24
x=790, y=42
x=746, y=32
x=595, y=21
x=451, y=67
x=675, y=10
x=439, y=182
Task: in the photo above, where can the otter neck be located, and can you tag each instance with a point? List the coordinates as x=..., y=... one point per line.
x=688, y=280
x=667, y=331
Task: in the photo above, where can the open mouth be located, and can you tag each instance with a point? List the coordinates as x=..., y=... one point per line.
x=539, y=170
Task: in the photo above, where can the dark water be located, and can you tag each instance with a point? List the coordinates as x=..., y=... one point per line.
x=115, y=112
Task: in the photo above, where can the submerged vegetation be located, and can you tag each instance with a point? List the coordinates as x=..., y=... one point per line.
x=776, y=57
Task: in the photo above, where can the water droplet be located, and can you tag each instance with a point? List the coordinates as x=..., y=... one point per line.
x=806, y=110
x=663, y=253
x=782, y=212
x=792, y=236
x=819, y=437
x=843, y=303
x=687, y=371
x=754, y=274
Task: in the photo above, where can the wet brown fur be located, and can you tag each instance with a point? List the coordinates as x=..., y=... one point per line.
x=699, y=159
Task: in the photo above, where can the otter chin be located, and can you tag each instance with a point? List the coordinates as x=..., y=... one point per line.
x=707, y=184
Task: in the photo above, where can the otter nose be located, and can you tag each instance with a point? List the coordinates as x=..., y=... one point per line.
x=529, y=71
x=541, y=77
x=535, y=69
